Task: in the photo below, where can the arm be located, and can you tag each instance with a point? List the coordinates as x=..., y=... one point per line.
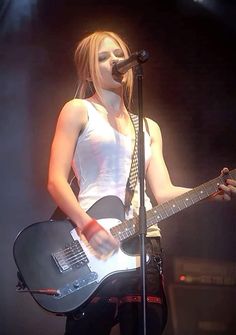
x=157, y=173
x=71, y=121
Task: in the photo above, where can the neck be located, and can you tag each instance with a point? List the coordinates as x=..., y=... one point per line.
x=112, y=101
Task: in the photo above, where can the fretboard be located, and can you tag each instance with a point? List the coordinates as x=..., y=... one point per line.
x=129, y=228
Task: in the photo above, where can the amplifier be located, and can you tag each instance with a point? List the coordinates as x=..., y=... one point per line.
x=202, y=309
x=204, y=271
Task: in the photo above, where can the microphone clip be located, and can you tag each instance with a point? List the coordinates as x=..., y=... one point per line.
x=138, y=57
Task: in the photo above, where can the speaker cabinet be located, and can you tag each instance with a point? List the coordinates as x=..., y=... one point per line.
x=202, y=309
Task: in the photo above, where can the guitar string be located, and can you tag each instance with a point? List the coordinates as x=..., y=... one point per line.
x=73, y=262
x=68, y=259
x=130, y=230
x=66, y=253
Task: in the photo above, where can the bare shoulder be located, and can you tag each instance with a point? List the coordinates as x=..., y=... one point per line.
x=75, y=112
x=154, y=129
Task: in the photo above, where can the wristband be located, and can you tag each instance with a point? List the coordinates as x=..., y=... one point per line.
x=91, y=228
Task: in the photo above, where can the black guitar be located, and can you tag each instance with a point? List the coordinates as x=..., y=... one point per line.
x=60, y=268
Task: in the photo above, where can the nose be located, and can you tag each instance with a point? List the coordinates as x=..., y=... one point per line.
x=114, y=61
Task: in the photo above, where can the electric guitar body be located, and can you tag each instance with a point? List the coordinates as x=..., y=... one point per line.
x=51, y=256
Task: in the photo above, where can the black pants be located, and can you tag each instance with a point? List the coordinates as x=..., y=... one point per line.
x=98, y=318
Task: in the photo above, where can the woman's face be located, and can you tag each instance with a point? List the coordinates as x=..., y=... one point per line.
x=109, y=52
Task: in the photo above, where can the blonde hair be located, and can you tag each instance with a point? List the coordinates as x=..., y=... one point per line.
x=87, y=65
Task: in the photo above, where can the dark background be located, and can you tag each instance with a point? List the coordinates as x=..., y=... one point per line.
x=189, y=89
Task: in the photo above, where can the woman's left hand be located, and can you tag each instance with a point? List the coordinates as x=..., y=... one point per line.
x=228, y=190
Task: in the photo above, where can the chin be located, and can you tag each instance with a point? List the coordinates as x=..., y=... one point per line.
x=118, y=78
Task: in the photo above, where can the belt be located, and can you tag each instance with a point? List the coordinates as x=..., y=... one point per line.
x=128, y=299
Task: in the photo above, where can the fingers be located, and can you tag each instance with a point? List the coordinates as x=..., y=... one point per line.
x=103, y=243
x=229, y=189
x=231, y=184
x=226, y=193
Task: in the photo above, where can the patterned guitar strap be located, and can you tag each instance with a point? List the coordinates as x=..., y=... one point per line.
x=133, y=175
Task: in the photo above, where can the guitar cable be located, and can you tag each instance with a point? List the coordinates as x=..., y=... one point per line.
x=47, y=291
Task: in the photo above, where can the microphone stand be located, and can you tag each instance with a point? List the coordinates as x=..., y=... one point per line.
x=120, y=68
x=142, y=210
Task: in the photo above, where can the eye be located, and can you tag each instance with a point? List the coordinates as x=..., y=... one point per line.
x=102, y=56
x=119, y=53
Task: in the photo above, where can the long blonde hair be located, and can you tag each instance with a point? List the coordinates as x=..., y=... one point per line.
x=87, y=65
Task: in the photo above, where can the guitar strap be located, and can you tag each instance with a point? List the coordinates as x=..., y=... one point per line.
x=133, y=174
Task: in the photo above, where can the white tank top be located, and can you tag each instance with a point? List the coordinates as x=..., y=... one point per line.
x=102, y=161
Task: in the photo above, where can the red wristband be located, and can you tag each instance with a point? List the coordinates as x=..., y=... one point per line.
x=91, y=228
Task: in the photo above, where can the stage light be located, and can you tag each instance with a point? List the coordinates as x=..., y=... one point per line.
x=182, y=278
x=18, y=13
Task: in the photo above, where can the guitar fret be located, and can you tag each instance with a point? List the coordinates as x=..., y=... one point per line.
x=190, y=198
x=150, y=220
x=195, y=196
x=187, y=199
x=168, y=208
x=158, y=215
x=129, y=232
x=200, y=192
x=125, y=227
x=213, y=187
x=134, y=223
x=178, y=208
x=117, y=232
x=125, y=234
x=132, y=231
x=162, y=209
x=182, y=203
x=178, y=205
x=175, y=207
x=122, y=236
x=206, y=188
x=124, y=230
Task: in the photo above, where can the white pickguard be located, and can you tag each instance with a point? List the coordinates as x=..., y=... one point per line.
x=116, y=262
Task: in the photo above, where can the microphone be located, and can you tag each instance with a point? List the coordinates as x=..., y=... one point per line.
x=134, y=59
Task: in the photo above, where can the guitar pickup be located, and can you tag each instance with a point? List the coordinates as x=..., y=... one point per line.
x=71, y=257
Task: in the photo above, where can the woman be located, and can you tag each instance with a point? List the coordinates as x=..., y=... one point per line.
x=95, y=135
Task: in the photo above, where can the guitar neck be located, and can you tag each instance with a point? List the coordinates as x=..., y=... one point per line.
x=130, y=228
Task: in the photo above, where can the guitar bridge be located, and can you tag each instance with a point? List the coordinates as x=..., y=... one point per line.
x=71, y=257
